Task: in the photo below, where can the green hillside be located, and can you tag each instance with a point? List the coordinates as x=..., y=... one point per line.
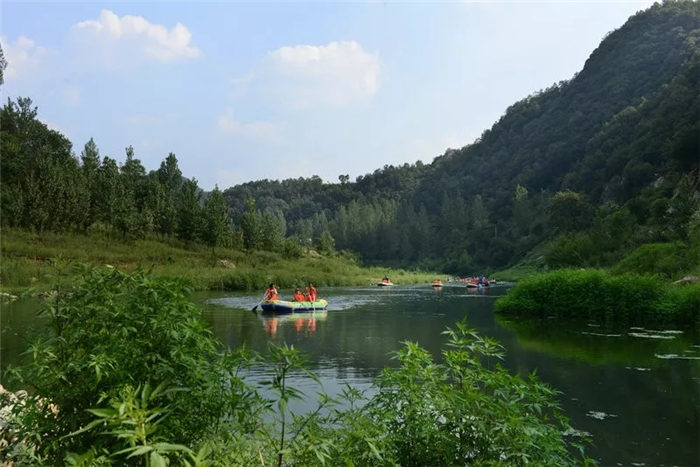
x=620, y=139
x=580, y=174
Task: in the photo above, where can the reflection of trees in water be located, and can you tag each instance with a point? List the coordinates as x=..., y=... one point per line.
x=657, y=411
x=594, y=345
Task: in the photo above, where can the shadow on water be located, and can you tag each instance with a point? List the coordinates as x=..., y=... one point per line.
x=637, y=391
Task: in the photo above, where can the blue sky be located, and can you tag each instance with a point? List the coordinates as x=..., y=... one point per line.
x=246, y=91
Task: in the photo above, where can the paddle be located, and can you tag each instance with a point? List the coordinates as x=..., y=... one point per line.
x=256, y=306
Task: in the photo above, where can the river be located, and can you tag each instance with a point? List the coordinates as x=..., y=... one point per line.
x=636, y=391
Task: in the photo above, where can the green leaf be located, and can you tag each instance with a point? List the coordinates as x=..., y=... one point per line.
x=157, y=460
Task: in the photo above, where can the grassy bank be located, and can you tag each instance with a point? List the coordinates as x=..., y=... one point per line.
x=599, y=297
x=38, y=261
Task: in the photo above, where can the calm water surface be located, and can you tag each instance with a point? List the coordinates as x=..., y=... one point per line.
x=636, y=391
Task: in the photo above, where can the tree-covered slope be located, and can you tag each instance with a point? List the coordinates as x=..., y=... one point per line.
x=619, y=135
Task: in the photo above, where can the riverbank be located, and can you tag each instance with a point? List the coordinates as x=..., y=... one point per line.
x=598, y=297
x=39, y=262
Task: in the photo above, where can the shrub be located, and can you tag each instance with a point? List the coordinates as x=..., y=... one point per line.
x=597, y=296
x=112, y=332
x=668, y=259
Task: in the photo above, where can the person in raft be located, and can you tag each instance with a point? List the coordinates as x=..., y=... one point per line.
x=298, y=296
x=271, y=293
x=386, y=279
x=311, y=293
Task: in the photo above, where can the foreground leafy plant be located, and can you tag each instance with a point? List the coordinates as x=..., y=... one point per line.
x=115, y=331
x=116, y=336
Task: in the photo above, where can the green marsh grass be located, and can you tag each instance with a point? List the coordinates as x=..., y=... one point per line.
x=39, y=261
x=602, y=298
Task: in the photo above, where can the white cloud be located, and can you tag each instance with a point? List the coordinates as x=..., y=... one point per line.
x=115, y=39
x=71, y=95
x=23, y=57
x=306, y=75
x=258, y=130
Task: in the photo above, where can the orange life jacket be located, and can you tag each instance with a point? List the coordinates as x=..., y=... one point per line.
x=271, y=294
x=311, y=292
x=298, y=297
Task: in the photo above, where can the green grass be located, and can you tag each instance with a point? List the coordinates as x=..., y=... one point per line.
x=599, y=297
x=39, y=261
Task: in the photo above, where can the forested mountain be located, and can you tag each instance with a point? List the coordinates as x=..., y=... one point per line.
x=616, y=139
x=582, y=172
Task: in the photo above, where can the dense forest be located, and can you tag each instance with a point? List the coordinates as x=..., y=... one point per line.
x=579, y=174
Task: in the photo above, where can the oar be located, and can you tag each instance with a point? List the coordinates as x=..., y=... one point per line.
x=256, y=306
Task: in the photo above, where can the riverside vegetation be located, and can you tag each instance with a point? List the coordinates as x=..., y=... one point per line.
x=39, y=261
x=126, y=373
x=602, y=298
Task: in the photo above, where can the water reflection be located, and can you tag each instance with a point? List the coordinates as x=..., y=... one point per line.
x=303, y=323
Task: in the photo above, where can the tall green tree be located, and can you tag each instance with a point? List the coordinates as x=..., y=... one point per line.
x=3, y=65
x=189, y=212
x=273, y=229
x=108, y=190
x=569, y=211
x=169, y=173
x=251, y=226
x=90, y=164
x=216, y=219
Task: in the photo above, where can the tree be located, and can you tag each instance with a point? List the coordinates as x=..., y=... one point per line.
x=569, y=211
x=325, y=242
x=251, y=226
x=522, y=212
x=108, y=189
x=479, y=214
x=274, y=228
x=90, y=159
x=169, y=174
x=217, y=221
x=189, y=212
x=3, y=65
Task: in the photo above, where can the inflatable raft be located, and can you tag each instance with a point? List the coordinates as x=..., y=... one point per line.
x=384, y=284
x=282, y=306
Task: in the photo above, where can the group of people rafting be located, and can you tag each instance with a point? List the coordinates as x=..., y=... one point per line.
x=477, y=280
x=309, y=295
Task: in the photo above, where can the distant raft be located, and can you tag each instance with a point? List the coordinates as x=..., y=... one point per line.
x=384, y=284
x=282, y=306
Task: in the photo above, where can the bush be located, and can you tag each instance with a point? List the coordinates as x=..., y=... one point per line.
x=599, y=297
x=570, y=250
x=292, y=249
x=668, y=259
x=109, y=334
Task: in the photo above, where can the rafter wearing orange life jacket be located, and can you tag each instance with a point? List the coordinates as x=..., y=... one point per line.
x=311, y=292
x=271, y=293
